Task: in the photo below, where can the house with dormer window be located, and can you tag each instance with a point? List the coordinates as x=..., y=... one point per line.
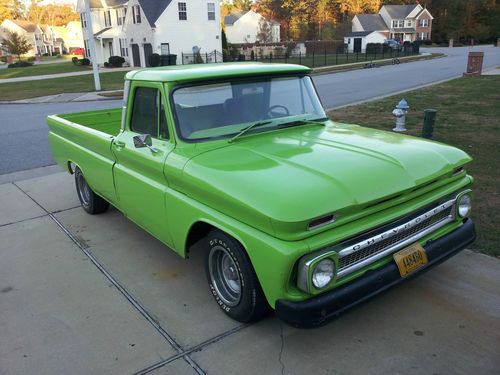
x=401, y=22
x=135, y=29
x=172, y=27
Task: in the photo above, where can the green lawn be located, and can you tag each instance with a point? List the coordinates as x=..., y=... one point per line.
x=44, y=69
x=468, y=118
x=33, y=89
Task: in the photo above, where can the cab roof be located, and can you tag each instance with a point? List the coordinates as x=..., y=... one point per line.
x=191, y=72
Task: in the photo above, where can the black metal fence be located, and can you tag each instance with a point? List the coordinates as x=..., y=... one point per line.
x=312, y=59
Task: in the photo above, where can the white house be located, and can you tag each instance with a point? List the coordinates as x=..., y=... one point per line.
x=357, y=41
x=48, y=39
x=245, y=27
x=173, y=27
x=32, y=32
x=135, y=29
x=108, y=18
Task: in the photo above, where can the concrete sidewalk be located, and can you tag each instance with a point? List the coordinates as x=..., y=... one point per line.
x=86, y=294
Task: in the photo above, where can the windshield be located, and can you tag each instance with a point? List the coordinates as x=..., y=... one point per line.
x=224, y=109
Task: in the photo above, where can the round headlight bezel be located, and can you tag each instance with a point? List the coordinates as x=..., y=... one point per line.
x=325, y=269
x=464, y=205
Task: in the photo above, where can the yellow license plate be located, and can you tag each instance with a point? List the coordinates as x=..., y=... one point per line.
x=410, y=259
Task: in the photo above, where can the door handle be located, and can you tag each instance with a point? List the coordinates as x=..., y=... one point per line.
x=119, y=145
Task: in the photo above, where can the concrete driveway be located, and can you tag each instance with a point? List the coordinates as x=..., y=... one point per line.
x=83, y=294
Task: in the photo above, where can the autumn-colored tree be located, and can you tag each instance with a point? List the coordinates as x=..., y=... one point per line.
x=16, y=44
x=51, y=14
x=11, y=9
x=264, y=35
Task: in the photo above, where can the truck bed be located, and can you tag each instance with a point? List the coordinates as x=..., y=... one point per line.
x=105, y=120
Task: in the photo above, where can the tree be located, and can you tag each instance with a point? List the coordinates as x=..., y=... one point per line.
x=16, y=44
x=5, y=10
x=242, y=5
x=265, y=34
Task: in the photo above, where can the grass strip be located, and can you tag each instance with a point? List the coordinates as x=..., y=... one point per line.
x=468, y=113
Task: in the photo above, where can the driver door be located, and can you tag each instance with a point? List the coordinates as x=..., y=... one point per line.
x=138, y=173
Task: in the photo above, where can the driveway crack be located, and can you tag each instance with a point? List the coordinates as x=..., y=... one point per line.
x=281, y=350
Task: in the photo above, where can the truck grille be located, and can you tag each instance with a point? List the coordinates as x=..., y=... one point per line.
x=363, y=251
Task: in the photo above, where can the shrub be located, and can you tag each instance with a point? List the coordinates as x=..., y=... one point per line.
x=427, y=42
x=84, y=62
x=241, y=57
x=59, y=56
x=31, y=59
x=154, y=60
x=45, y=54
x=116, y=61
x=74, y=60
x=252, y=55
x=3, y=59
x=106, y=64
x=20, y=64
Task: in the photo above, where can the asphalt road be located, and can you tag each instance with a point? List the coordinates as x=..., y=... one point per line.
x=23, y=131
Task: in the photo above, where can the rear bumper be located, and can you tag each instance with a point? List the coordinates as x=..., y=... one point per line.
x=318, y=310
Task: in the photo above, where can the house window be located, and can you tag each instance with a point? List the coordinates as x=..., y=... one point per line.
x=182, y=11
x=136, y=14
x=397, y=24
x=107, y=18
x=165, y=49
x=120, y=16
x=408, y=23
x=211, y=11
x=86, y=46
x=84, y=20
x=423, y=23
x=123, y=47
x=424, y=36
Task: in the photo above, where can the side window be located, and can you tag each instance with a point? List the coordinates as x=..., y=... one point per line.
x=148, y=114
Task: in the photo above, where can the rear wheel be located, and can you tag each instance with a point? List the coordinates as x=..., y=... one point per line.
x=90, y=201
x=232, y=279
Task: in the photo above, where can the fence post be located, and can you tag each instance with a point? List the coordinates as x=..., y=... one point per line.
x=347, y=55
x=336, y=57
x=383, y=52
x=182, y=57
x=215, y=54
x=357, y=56
x=375, y=57
x=313, y=57
x=325, y=56
x=300, y=57
x=286, y=57
x=206, y=57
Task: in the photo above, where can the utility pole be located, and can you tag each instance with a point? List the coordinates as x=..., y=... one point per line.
x=91, y=46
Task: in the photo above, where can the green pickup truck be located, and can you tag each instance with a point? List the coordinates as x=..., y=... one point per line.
x=293, y=211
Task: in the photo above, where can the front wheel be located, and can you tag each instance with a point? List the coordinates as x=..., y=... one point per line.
x=232, y=279
x=90, y=201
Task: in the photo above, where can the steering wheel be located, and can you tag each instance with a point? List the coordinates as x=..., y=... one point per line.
x=272, y=114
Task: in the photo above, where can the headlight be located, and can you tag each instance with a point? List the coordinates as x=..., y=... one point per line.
x=464, y=205
x=323, y=273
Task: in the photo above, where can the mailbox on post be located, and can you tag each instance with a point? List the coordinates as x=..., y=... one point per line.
x=474, y=64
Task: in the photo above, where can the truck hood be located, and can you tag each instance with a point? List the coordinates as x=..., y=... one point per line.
x=297, y=174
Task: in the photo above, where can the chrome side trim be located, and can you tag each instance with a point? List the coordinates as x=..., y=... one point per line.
x=393, y=232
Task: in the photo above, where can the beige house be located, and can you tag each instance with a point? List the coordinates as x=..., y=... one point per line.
x=70, y=35
x=401, y=22
x=32, y=32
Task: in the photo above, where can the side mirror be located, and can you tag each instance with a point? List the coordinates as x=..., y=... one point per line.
x=144, y=140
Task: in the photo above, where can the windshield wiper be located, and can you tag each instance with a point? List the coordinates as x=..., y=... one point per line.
x=249, y=127
x=302, y=122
